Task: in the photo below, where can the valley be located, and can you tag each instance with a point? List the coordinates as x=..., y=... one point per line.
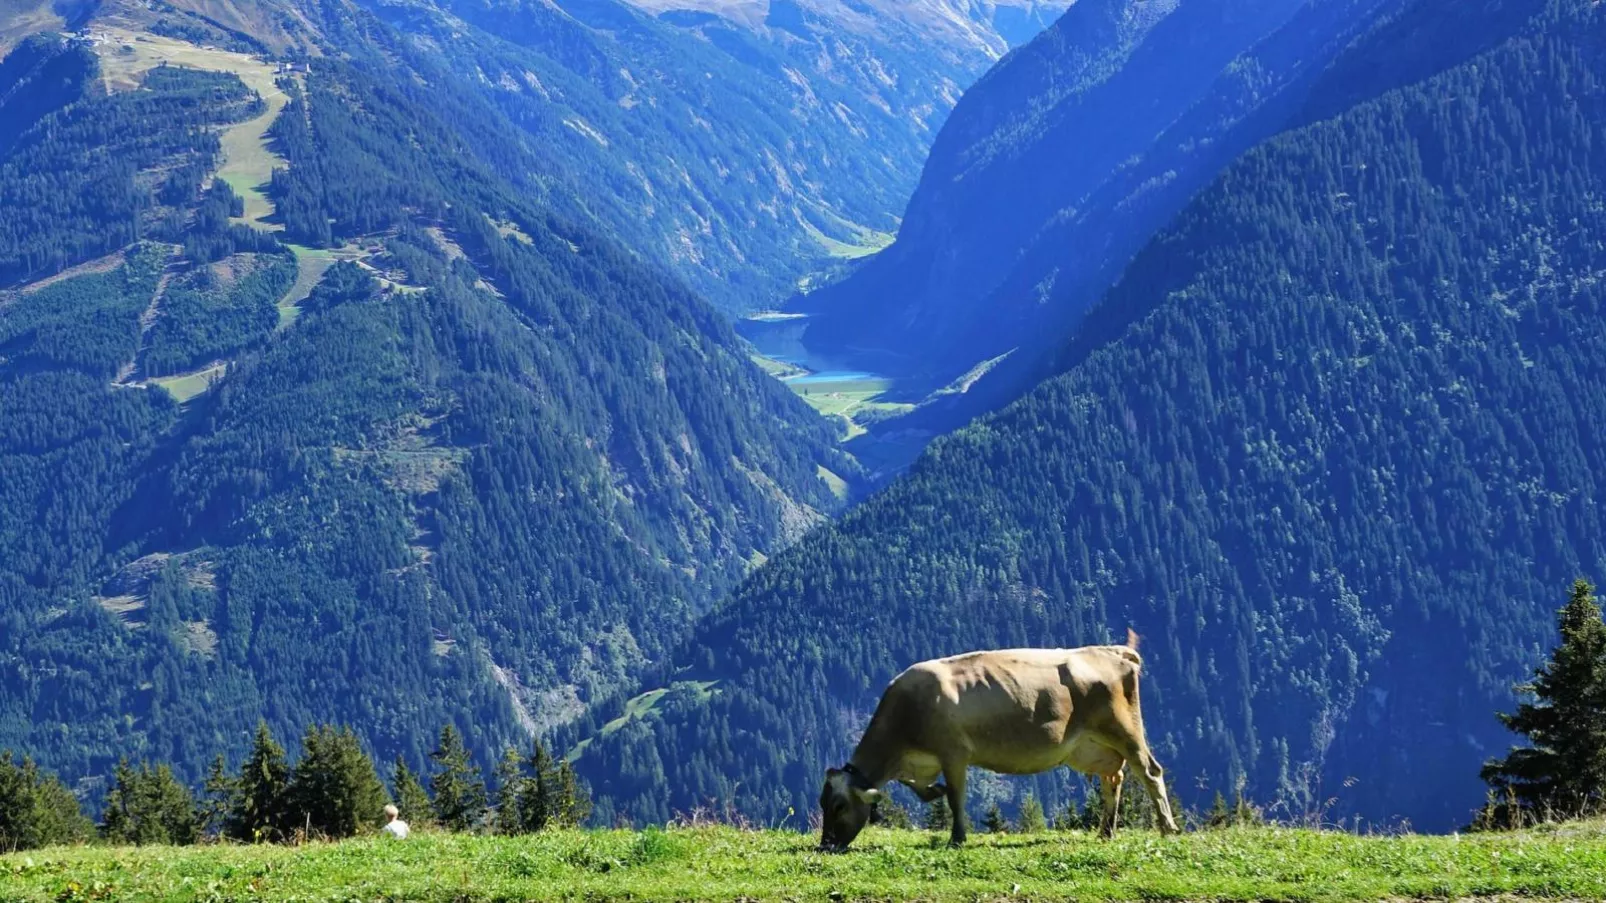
x=654, y=380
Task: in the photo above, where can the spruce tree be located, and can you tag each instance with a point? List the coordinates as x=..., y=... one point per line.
x=938, y=818
x=889, y=814
x=1220, y=816
x=458, y=790
x=148, y=805
x=571, y=803
x=1031, y=819
x=217, y=800
x=1563, y=769
x=538, y=806
x=334, y=791
x=411, y=797
x=994, y=822
x=510, y=791
x=260, y=802
x=36, y=809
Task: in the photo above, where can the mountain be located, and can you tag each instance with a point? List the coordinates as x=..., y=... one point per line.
x=1059, y=165
x=741, y=152
x=1329, y=445
x=743, y=156
x=313, y=409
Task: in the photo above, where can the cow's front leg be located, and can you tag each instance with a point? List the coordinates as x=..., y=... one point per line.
x=954, y=773
x=930, y=793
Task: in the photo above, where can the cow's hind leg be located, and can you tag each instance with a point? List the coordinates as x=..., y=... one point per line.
x=1110, y=802
x=1153, y=777
x=953, y=774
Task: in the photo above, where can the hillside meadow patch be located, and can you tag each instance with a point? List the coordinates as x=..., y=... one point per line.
x=720, y=863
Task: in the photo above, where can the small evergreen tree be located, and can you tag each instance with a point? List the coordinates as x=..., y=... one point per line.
x=411, y=797
x=334, y=791
x=260, y=803
x=889, y=814
x=1563, y=769
x=1245, y=812
x=571, y=803
x=1031, y=819
x=538, y=803
x=510, y=791
x=994, y=821
x=1069, y=819
x=458, y=790
x=217, y=799
x=938, y=817
x=148, y=805
x=1220, y=816
x=36, y=809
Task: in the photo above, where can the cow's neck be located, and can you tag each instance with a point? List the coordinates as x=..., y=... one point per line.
x=875, y=759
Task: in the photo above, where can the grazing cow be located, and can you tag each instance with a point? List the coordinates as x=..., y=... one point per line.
x=1013, y=711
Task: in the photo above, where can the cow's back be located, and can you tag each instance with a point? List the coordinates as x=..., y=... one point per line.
x=1013, y=710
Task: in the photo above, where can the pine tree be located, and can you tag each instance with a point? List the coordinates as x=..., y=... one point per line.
x=510, y=790
x=889, y=814
x=938, y=818
x=148, y=805
x=1070, y=819
x=538, y=806
x=995, y=822
x=334, y=790
x=411, y=797
x=1220, y=816
x=1563, y=769
x=259, y=809
x=571, y=802
x=36, y=809
x=1031, y=819
x=217, y=800
x=458, y=790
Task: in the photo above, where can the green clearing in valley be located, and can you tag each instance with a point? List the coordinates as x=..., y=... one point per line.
x=849, y=399
x=186, y=386
x=865, y=241
x=642, y=705
x=720, y=863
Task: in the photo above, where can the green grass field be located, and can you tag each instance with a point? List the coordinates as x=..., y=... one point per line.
x=849, y=399
x=640, y=706
x=186, y=386
x=248, y=162
x=728, y=864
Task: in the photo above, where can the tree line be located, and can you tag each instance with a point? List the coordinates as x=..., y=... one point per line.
x=332, y=791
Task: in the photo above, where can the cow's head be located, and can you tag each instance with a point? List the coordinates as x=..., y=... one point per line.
x=845, y=803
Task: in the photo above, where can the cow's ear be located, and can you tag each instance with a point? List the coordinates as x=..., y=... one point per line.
x=870, y=795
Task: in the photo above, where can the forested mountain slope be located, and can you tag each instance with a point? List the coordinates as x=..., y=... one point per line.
x=1061, y=163
x=472, y=462
x=1331, y=446
x=740, y=155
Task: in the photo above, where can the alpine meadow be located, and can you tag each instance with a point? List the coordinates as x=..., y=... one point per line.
x=763, y=449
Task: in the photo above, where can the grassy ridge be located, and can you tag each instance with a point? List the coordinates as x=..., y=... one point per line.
x=725, y=864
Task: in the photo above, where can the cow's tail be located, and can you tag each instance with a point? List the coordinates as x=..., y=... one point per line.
x=1130, y=650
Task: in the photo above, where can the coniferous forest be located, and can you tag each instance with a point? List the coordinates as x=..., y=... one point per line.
x=486, y=473
x=1330, y=446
